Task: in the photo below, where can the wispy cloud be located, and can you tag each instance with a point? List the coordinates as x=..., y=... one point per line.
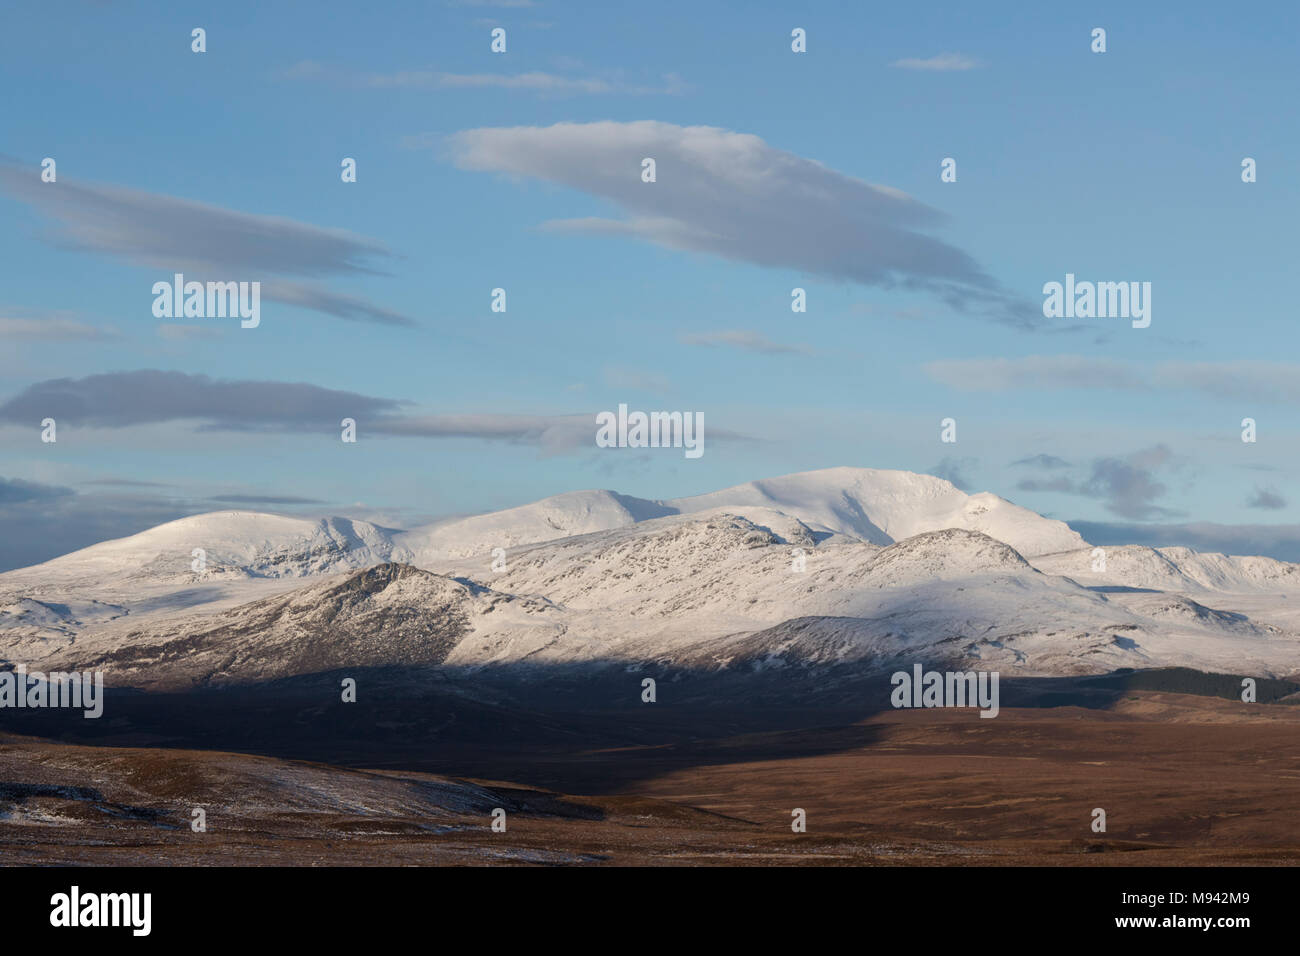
x=336, y=304
x=954, y=470
x=204, y=240
x=1059, y=484
x=942, y=62
x=1269, y=499
x=1041, y=461
x=177, y=332
x=52, y=327
x=536, y=82
x=123, y=399
x=745, y=340
x=552, y=434
x=1128, y=485
x=540, y=82
x=15, y=490
x=264, y=500
x=620, y=376
x=124, y=483
x=151, y=396
x=1248, y=379
x=732, y=195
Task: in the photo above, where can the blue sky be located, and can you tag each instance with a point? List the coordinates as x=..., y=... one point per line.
x=1120, y=166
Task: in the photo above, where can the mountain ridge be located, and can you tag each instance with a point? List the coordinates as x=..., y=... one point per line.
x=873, y=505
x=802, y=571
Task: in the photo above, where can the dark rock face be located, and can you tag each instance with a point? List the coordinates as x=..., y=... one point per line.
x=390, y=615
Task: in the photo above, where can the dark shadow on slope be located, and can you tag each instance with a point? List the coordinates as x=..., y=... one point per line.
x=576, y=730
x=579, y=730
x=642, y=509
x=1104, y=690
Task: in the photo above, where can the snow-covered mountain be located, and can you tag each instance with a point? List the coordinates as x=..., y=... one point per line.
x=244, y=543
x=876, y=506
x=887, y=506
x=577, y=512
x=1174, y=569
x=846, y=567
x=879, y=507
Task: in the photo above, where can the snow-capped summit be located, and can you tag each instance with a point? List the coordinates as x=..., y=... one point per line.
x=560, y=516
x=245, y=543
x=886, y=506
x=876, y=506
x=843, y=567
x=879, y=507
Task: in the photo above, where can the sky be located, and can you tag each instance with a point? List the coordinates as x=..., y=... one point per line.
x=522, y=170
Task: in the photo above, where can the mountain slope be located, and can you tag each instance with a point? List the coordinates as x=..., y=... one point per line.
x=876, y=506
x=383, y=616
x=560, y=516
x=1173, y=569
x=806, y=571
x=234, y=542
x=697, y=592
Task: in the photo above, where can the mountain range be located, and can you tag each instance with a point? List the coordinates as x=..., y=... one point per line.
x=811, y=573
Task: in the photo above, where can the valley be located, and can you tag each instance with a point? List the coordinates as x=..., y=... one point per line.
x=335, y=692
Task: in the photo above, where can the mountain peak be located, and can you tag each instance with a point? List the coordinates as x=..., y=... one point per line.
x=874, y=505
x=882, y=506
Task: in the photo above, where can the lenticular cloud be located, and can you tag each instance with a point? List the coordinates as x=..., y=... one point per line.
x=732, y=195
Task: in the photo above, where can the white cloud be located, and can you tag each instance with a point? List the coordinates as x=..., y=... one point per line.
x=732, y=195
